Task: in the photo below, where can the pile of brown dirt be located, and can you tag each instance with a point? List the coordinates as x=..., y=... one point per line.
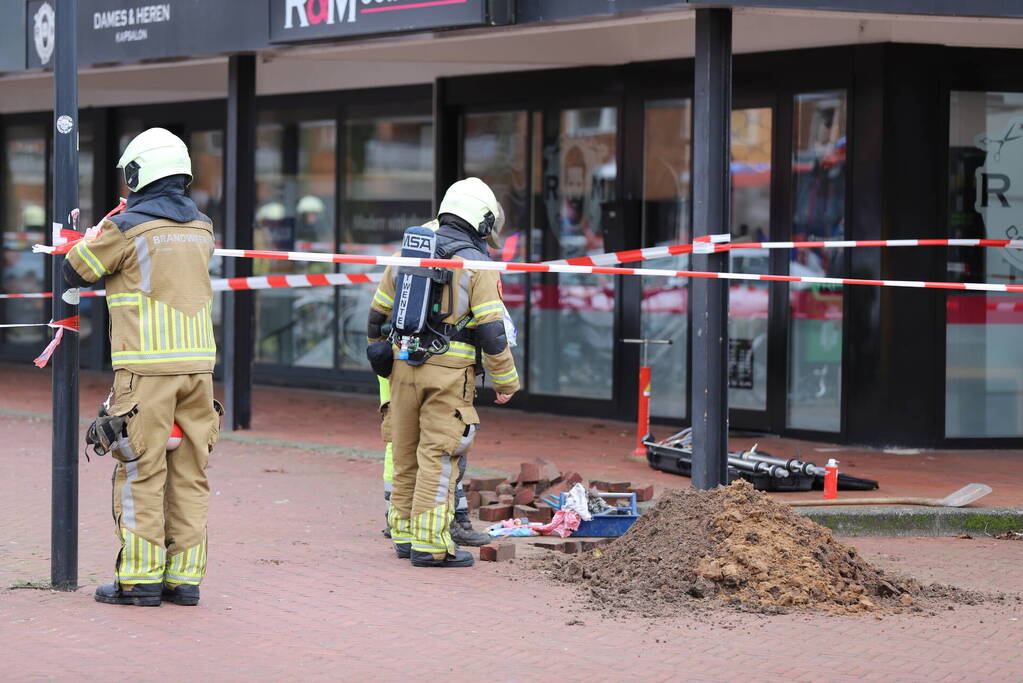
x=734, y=546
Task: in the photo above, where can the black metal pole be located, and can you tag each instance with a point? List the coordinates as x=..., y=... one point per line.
x=239, y=218
x=64, y=514
x=711, y=181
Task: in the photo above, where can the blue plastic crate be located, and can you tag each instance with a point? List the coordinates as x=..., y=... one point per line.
x=609, y=525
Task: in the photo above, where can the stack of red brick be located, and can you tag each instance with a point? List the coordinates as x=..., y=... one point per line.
x=526, y=494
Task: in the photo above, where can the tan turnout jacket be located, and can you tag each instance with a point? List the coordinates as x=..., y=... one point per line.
x=158, y=293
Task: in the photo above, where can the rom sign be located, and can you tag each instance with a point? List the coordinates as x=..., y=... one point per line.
x=1000, y=186
x=301, y=20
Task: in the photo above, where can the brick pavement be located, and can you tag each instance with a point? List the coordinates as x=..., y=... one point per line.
x=594, y=448
x=301, y=586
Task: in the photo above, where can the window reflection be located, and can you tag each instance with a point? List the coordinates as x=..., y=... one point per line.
x=24, y=225
x=667, y=163
x=572, y=316
x=815, y=338
x=751, y=219
x=295, y=179
x=495, y=147
x=206, y=149
x=984, y=332
x=388, y=186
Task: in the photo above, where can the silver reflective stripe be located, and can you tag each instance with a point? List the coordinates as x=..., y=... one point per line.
x=131, y=472
x=125, y=449
x=462, y=503
x=445, y=480
x=463, y=445
x=162, y=317
x=145, y=264
x=388, y=487
x=463, y=294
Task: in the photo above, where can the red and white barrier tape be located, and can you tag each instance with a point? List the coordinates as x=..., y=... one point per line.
x=72, y=324
x=600, y=264
x=512, y=267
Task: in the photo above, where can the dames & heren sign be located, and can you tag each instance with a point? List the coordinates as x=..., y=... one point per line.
x=131, y=30
x=298, y=20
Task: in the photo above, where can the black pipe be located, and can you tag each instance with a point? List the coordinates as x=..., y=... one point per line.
x=64, y=505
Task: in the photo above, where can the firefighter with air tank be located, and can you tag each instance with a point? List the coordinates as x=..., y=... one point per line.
x=154, y=259
x=429, y=329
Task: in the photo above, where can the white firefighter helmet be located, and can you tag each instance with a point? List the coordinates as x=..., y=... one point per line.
x=271, y=211
x=311, y=204
x=473, y=201
x=154, y=154
x=33, y=216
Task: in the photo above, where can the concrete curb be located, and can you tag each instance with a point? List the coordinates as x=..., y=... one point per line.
x=914, y=520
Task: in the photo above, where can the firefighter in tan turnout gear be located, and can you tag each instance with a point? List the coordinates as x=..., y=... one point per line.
x=430, y=419
x=154, y=258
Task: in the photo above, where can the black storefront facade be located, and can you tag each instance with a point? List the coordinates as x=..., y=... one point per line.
x=871, y=139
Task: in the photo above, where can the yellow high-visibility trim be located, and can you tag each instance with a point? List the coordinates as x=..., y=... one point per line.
x=122, y=300
x=505, y=378
x=384, y=296
x=487, y=306
x=461, y=350
x=89, y=258
x=150, y=361
x=141, y=561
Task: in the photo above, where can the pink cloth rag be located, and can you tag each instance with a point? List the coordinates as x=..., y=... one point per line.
x=564, y=523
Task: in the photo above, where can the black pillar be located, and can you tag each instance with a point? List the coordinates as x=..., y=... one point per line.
x=711, y=181
x=239, y=207
x=445, y=142
x=64, y=506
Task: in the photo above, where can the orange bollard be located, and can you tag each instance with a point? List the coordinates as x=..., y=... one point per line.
x=643, y=423
x=831, y=479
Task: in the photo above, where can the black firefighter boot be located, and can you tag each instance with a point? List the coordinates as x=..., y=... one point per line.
x=461, y=558
x=139, y=594
x=181, y=594
x=462, y=533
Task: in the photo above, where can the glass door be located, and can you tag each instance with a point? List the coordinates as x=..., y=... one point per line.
x=816, y=312
x=571, y=350
x=748, y=302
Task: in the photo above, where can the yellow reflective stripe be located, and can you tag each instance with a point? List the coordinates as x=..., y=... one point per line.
x=95, y=265
x=461, y=350
x=141, y=561
x=382, y=303
x=122, y=299
x=505, y=378
x=383, y=296
x=487, y=306
x=150, y=361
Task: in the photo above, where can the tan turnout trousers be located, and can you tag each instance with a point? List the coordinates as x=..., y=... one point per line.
x=161, y=500
x=431, y=422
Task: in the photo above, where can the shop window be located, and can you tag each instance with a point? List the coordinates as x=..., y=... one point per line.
x=751, y=219
x=818, y=206
x=984, y=332
x=25, y=222
x=495, y=149
x=667, y=208
x=86, y=147
x=295, y=180
x=206, y=149
x=388, y=186
x=572, y=316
